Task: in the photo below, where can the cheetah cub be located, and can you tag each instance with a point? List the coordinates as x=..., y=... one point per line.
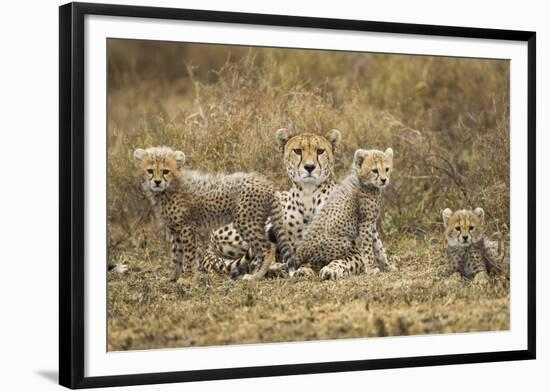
x=469, y=253
x=342, y=238
x=189, y=202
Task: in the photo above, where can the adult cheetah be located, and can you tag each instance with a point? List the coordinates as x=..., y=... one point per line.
x=308, y=159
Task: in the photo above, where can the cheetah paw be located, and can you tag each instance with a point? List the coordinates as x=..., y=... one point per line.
x=372, y=271
x=277, y=271
x=328, y=273
x=304, y=272
x=175, y=277
x=481, y=279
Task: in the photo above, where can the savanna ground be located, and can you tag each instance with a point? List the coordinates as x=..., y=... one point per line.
x=447, y=120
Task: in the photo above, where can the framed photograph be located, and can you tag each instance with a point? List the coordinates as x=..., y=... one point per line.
x=247, y=195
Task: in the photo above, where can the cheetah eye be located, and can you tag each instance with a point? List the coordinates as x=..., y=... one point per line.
x=472, y=227
x=387, y=169
x=150, y=171
x=165, y=172
x=297, y=151
x=320, y=151
x=457, y=227
x=375, y=171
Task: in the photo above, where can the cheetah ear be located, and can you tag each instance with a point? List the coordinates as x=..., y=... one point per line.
x=334, y=136
x=282, y=135
x=447, y=213
x=180, y=158
x=139, y=154
x=480, y=213
x=389, y=153
x=359, y=157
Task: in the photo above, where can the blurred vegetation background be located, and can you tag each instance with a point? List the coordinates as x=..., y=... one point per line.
x=447, y=120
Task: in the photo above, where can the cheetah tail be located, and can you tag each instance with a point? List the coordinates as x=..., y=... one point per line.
x=494, y=261
x=500, y=246
x=283, y=242
x=212, y=262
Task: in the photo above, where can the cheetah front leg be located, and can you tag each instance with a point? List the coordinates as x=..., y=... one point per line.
x=190, y=249
x=366, y=237
x=379, y=251
x=184, y=252
x=177, y=255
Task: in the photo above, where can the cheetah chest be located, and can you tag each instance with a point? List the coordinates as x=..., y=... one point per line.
x=300, y=208
x=369, y=204
x=468, y=261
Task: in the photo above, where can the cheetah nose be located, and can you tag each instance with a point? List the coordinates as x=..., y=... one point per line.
x=157, y=182
x=465, y=238
x=309, y=167
x=383, y=180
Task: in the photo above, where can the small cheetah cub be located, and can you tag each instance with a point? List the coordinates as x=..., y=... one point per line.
x=189, y=202
x=469, y=253
x=342, y=239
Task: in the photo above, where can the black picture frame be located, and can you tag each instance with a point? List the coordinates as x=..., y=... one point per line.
x=71, y=194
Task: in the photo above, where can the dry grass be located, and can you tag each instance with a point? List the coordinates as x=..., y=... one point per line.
x=447, y=120
x=147, y=311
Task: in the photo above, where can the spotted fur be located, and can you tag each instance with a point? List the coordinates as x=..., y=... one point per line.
x=189, y=202
x=340, y=240
x=308, y=159
x=469, y=252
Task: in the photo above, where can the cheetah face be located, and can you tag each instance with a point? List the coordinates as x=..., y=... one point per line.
x=159, y=165
x=463, y=227
x=373, y=168
x=308, y=157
